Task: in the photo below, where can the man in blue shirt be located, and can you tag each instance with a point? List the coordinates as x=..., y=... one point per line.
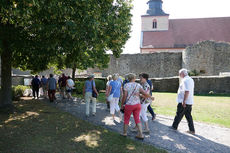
x=52, y=86
x=44, y=85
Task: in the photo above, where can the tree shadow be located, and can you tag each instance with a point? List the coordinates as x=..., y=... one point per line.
x=161, y=135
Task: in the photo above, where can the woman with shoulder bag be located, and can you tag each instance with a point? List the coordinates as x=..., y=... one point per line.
x=90, y=93
x=131, y=96
x=113, y=93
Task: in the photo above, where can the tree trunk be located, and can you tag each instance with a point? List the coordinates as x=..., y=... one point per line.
x=6, y=76
x=73, y=73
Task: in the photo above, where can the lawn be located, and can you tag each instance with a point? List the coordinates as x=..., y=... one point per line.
x=214, y=109
x=37, y=127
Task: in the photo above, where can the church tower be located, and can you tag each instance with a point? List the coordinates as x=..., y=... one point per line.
x=155, y=19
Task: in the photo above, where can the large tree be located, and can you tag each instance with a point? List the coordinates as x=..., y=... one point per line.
x=34, y=33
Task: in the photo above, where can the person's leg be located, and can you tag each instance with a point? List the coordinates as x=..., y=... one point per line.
x=188, y=116
x=144, y=117
x=112, y=108
x=33, y=89
x=49, y=95
x=179, y=115
x=53, y=95
x=127, y=113
x=151, y=112
x=87, y=102
x=37, y=91
x=94, y=101
x=136, y=115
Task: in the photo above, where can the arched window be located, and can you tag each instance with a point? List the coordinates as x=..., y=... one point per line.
x=154, y=24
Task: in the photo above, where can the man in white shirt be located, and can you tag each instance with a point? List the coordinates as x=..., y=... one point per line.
x=185, y=101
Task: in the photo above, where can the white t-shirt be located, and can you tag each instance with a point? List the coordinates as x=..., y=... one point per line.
x=133, y=90
x=187, y=84
x=70, y=84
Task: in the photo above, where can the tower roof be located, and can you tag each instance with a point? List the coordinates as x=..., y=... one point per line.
x=155, y=8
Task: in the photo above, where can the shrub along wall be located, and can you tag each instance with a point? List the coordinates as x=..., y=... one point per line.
x=203, y=85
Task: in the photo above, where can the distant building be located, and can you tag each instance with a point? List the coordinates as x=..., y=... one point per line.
x=159, y=33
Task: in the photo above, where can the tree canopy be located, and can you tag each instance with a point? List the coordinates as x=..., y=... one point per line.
x=70, y=33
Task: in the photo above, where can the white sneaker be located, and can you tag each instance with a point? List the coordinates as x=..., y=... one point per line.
x=134, y=129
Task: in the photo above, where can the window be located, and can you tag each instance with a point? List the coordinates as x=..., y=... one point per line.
x=154, y=24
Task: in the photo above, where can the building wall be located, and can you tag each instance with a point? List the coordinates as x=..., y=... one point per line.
x=208, y=57
x=147, y=23
x=153, y=50
x=163, y=64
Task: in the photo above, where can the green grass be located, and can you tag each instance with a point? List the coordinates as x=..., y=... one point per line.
x=37, y=127
x=214, y=109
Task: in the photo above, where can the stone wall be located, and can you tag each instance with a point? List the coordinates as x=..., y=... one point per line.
x=207, y=58
x=203, y=84
x=164, y=64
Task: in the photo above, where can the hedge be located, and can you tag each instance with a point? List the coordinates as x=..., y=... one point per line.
x=100, y=85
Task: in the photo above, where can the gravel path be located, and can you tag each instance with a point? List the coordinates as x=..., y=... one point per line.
x=208, y=138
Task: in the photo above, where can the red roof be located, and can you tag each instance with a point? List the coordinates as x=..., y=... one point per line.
x=184, y=32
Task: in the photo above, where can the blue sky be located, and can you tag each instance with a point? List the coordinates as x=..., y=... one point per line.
x=176, y=9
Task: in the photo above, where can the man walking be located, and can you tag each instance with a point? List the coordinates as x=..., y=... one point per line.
x=51, y=86
x=185, y=101
x=62, y=83
x=44, y=86
x=35, y=86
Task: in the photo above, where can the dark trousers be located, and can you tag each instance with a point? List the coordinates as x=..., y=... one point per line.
x=51, y=94
x=151, y=111
x=181, y=111
x=35, y=90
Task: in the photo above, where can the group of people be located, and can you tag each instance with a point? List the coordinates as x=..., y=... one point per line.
x=136, y=98
x=50, y=85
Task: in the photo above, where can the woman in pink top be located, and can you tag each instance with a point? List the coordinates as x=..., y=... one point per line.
x=131, y=96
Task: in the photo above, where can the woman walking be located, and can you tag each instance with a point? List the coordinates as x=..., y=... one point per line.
x=69, y=87
x=109, y=78
x=90, y=93
x=115, y=91
x=131, y=96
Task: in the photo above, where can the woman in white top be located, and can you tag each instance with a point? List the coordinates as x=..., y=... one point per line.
x=131, y=96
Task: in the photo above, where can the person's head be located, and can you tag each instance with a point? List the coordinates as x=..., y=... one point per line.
x=43, y=76
x=91, y=77
x=36, y=76
x=131, y=77
x=115, y=76
x=109, y=77
x=69, y=77
x=183, y=73
x=144, y=77
x=51, y=75
x=126, y=77
x=63, y=74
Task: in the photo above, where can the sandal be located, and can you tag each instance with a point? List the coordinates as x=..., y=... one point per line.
x=124, y=135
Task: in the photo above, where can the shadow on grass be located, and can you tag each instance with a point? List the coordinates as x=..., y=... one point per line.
x=38, y=127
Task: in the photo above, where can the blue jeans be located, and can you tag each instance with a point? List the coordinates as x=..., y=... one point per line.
x=151, y=111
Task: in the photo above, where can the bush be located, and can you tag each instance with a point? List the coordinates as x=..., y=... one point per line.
x=17, y=91
x=100, y=85
x=79, y=86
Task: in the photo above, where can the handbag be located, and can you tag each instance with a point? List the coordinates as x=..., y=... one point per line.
x=110, y=98
x=94, y=94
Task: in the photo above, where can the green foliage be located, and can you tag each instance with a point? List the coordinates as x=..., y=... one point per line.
x=79, y=86
x=100, y=84
x=17, y=91
x=194, y=73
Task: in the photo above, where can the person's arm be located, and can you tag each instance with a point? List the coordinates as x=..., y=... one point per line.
x=84, y=91
x=124, y=99
x=185, y=98
x=146, y=95
x=108, y=91
x=95, y=90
